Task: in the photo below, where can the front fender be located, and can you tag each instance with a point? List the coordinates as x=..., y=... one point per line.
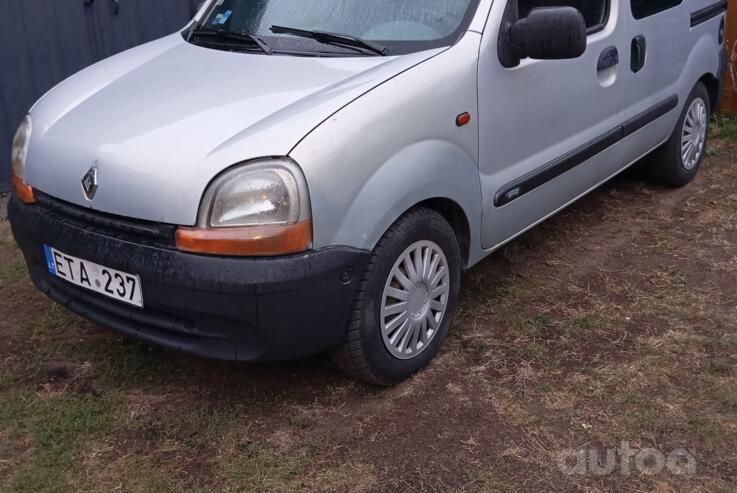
x=422, y=171
x=394, y=147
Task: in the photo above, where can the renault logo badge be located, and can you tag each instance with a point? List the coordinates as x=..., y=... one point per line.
x=89, y=183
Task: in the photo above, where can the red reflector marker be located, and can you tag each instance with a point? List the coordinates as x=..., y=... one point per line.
x=463, y=119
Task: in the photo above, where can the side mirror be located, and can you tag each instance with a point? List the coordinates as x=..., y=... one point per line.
x=551, y=33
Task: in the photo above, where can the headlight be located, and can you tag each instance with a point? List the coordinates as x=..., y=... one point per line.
x=19, y=151
x=260, y=208
x=259, y=194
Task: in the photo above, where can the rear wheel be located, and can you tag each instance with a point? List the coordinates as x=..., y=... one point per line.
x=678, y=161
x=404, y=305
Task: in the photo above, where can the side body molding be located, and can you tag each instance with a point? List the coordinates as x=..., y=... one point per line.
x=577, y=157
x=702, y=15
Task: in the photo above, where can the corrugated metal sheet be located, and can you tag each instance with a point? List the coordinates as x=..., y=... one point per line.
x=45, y=41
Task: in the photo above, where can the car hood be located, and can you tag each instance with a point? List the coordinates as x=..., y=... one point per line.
x=159, y=122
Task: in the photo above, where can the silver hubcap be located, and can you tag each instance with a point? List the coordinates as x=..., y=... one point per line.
x=415, y=299
x=693, y=137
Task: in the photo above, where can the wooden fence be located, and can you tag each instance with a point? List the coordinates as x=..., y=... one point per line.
x=729, y=103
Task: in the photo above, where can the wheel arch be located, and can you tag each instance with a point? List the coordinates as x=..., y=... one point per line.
x=714, y=88
x=706, y=63
x=433, y=174
x=458, y=220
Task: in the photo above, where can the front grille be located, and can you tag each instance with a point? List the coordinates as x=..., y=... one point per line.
x=144, y=232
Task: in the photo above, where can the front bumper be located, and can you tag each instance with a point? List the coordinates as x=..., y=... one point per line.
x=238, y=309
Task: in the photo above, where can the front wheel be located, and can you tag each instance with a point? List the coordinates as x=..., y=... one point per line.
x=406, y=300
x=678, y=161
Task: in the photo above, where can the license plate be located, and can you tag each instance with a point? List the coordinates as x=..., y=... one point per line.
x=108, y=282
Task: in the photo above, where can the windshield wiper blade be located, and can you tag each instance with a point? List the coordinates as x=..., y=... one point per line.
x=241, y=36
x=332, y=38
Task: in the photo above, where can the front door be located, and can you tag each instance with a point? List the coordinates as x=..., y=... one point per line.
x=549, y=130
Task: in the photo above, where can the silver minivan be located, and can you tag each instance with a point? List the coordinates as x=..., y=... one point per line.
x=287, y=178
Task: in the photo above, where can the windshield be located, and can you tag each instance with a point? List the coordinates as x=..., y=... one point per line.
x=402, y=26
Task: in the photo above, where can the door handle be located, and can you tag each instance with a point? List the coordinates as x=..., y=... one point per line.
x=609, y=58
x=639, y=53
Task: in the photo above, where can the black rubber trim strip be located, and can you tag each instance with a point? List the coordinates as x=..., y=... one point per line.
x=646, y=117
x=541, y=176
x=537, y=178
x=703, y=15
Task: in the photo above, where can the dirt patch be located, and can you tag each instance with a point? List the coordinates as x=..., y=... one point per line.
x=608, y=329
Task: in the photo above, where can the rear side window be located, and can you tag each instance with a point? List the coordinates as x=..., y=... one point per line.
x=595, y=12
x=646, y=8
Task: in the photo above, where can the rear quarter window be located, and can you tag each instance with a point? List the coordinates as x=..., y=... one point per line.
x=646, y=8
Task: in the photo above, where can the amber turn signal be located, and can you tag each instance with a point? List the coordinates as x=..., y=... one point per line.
x=22, y=191
x=261, y=241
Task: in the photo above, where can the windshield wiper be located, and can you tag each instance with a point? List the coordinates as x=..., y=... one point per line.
x=332, y=38
x=240, y=36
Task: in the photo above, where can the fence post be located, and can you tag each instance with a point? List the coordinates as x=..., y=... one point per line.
x=729, y=103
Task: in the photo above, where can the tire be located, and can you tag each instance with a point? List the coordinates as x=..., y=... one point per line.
x=365, y=352
x=668, y=166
